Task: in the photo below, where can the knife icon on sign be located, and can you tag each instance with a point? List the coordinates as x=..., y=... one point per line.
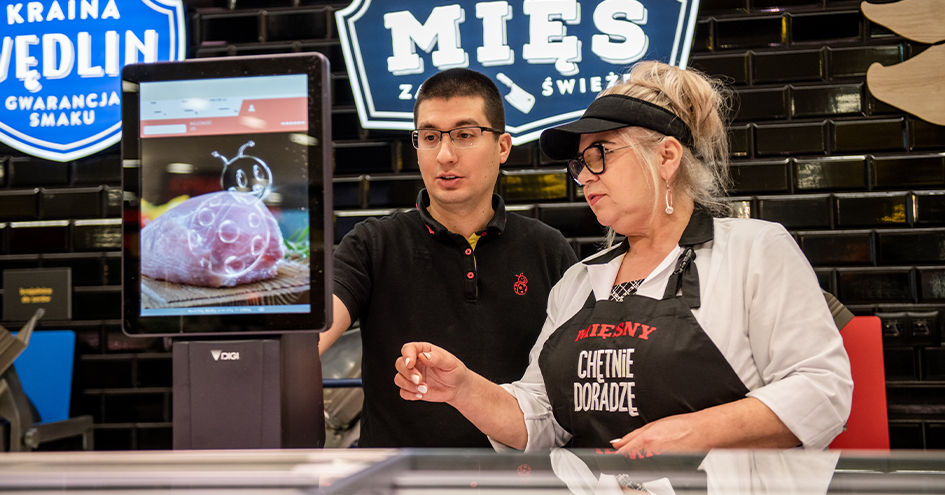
x=522, y=100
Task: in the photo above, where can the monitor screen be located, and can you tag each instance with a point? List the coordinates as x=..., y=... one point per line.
x=225, y=206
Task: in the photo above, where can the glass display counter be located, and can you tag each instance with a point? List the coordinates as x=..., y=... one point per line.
x=416, y=472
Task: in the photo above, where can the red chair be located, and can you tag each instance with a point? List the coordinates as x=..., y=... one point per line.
x=868, y=426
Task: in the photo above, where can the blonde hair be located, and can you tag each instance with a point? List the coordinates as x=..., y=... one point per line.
x=704, y=105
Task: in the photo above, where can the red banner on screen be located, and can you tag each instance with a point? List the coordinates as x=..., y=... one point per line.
x=255, y=116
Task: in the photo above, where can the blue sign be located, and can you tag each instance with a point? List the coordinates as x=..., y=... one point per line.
x=549, y=58
x=60, y=67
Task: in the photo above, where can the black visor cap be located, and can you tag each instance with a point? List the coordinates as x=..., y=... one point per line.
x=611, y=112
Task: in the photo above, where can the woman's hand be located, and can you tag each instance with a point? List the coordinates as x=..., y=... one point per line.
x=746, y=424
x=427, y=372
x=670, y=434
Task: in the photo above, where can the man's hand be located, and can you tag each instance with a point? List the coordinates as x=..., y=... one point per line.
x=427, y=372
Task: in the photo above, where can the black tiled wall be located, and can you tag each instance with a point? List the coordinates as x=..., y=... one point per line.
x=859, y=183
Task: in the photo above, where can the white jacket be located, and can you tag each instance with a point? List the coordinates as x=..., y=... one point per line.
x=762, y=307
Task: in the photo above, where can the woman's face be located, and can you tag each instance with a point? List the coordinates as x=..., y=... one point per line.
x=622, y=197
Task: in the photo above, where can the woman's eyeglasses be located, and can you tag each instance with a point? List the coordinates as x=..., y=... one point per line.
x=592, y=158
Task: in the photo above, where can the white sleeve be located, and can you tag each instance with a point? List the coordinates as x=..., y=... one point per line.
x=794, y=341
x=544, y=432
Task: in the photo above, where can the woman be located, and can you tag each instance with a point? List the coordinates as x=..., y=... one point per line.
x=693, y=333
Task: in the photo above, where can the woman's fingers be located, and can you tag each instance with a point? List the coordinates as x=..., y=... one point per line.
x=620, y=442
x=409, y=353
x=414, y=360
x=412, y=350
x=408, y=369
x=408, y=389
x=626, y=440
x=638, y=443
x=406, y=364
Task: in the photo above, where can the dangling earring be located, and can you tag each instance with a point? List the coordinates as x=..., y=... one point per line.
x=669, y=200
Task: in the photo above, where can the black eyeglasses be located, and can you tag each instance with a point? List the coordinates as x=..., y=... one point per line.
x=462, y=137
x=591, y=158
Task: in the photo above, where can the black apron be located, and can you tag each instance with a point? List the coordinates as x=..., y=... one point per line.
x=616, y=366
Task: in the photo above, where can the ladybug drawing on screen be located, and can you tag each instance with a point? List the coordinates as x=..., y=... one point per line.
x=245, y=173
x=231, y=233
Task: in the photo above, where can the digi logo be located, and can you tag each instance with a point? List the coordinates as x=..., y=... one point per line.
x=219, y=355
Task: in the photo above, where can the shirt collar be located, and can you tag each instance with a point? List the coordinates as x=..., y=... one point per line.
x=496, y=224
x=607, y=256
x=698, y=231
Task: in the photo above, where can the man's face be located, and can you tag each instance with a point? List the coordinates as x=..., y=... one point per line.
x=458, y=179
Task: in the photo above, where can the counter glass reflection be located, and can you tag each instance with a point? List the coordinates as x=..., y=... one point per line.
x=380, y=472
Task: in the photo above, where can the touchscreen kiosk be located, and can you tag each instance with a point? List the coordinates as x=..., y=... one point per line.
x=227, y=215
x=227, y=243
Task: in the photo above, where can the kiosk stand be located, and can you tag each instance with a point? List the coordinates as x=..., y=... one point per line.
x=248, y=394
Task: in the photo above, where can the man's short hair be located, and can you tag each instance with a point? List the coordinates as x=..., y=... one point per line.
x=464, y=82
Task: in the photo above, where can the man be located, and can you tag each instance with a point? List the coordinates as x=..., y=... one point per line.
x=458, y=271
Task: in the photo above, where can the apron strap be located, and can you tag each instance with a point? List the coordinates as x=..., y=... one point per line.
x=699, y=230
x=685, y=277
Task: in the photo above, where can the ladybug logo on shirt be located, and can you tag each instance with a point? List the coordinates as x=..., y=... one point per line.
x=521, y=286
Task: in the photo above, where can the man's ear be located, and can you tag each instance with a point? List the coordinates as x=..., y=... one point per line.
x=670, y=152
x=505, y=146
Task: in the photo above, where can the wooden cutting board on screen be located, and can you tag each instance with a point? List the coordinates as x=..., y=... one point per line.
x=287, y=287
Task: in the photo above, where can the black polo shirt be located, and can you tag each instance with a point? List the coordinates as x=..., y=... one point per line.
x=407, y=278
